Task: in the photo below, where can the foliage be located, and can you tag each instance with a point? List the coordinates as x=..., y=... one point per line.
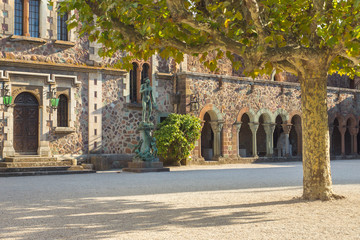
x=176, y=136
x=266, y=33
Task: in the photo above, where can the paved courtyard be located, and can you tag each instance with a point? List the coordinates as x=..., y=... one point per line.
x=256, y=201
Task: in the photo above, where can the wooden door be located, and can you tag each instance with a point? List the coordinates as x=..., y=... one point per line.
x=26, y=124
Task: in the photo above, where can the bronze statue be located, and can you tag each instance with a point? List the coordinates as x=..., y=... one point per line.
x=147, y=101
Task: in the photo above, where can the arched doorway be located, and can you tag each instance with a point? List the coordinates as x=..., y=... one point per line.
x=26, y=123
x=245, y=137
x=336, y=138
x=207, y=139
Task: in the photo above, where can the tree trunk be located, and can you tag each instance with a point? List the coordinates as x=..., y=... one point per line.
x=317, y=183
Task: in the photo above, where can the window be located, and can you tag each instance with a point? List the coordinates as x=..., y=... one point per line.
x=62, y=111
x=19, y=8
x=145, y=72
x=138, y=74
x=133, y=83
x=62, y=32
x=27, y=22
x=34, y=18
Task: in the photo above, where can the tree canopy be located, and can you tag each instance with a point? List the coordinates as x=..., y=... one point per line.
x=266, y=33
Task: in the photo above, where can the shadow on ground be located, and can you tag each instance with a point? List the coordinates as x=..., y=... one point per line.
x=68, y=218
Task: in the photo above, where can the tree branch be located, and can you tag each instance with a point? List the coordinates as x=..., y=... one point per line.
x=181, y=15
x=253, y=8
x=356, y=61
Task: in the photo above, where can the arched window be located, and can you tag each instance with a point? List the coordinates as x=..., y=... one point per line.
x=145, y=72
x=141, y=70
x=62, y=111
x=62, y=32
x=133, y=83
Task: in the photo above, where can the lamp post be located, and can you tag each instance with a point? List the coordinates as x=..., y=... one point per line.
x=7, y=98
x=54, y=101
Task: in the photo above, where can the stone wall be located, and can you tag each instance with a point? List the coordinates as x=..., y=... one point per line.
x=228, y=98
x=74, y=143
x=120, y=119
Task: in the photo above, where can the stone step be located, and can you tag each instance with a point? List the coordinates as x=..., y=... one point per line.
x=36, y=173
x=35, y=164
x=34, y=169
x=29, y=159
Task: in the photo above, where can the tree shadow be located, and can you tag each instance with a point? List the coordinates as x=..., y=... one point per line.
x=99, y=218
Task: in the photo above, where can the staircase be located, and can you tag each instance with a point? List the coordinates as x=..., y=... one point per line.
x=30, y=165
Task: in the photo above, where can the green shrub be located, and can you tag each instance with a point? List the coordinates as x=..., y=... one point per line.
x=176, y=136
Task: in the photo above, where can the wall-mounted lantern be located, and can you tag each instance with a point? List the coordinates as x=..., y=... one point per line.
x=7, y=98
x=194, y=102
x=54, y=102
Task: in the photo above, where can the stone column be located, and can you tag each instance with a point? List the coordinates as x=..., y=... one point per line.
x=269, y=130
x=236, y=131
x=26, y=32
x=287, y=128
x=254, y=127
x=216, y=126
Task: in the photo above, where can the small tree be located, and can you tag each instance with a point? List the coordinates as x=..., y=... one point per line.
x=176, y=136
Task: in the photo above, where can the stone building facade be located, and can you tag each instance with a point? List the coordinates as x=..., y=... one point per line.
x=99, y=106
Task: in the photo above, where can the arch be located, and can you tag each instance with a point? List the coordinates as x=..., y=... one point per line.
x=293, y=113
x=295, y=135
x=212, y=126
x=33, y=93
x=133, y=83
x=245, y=137
x=145, y=72
x=283, y=114
x=340, y=119
x=261, y=136
x=268, y=116
x=352, y=119
x=213, y=111
x=250, y=113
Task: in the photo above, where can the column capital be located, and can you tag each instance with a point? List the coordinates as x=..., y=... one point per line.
x=216, y=126
x=253, y=127
x=237, y=126
x=286, y=127
x=353, y=130
x=269, y=127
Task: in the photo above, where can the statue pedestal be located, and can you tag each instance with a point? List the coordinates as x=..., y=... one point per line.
x=142, y=167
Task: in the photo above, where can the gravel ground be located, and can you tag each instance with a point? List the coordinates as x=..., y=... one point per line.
x=254, y=201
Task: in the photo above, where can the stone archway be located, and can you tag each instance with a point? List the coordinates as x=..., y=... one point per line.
x=207, y=139
x=245, y=137
x=26, y=124
x=210, y=133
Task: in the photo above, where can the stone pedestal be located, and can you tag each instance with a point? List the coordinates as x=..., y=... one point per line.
x=141, y=167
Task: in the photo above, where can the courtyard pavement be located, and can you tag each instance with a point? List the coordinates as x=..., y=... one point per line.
x=235, y=201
